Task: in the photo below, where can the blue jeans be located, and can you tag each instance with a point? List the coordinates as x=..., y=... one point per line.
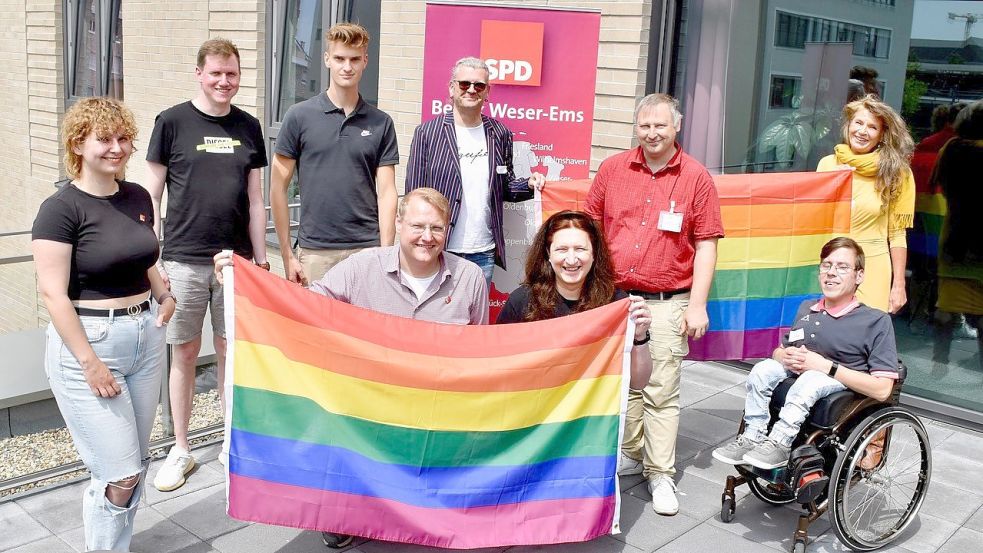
x=809, y=387
x=112, y=435
x=484, y=260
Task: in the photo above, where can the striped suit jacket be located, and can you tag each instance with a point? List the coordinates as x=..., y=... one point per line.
x=434, y=162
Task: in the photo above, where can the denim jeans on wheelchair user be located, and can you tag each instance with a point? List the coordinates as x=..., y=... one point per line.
x=484, y=260
x=111, y=434
x=809, y=387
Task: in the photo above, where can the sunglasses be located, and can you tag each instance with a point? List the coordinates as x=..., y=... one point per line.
x=466, y=85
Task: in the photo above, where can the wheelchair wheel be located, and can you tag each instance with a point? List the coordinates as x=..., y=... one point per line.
x=880, y=479
x=771, y=494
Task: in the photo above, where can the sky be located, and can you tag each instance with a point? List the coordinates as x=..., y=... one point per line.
x=930, y=19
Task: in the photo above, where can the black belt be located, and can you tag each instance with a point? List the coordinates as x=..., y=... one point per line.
x=658, y=295
x=132, y=310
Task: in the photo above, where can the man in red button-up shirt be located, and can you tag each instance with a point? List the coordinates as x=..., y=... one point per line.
x=661, y=216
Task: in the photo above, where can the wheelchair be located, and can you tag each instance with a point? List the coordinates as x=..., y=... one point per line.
x=867, y=462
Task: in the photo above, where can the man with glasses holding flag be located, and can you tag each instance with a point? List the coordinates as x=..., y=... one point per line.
x=467, y=156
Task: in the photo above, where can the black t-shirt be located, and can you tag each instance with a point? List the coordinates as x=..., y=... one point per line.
x=208, y=160
x=514, y=310
x=337, y=159
x=112, y=238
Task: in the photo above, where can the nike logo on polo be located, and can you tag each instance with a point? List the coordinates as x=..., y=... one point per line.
x=366, y=132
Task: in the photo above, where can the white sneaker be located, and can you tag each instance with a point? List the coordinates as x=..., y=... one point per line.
x=177, y=465
x=628, y=466
x=663, y=491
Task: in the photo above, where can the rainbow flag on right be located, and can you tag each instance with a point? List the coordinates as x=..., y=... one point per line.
x=775, y=225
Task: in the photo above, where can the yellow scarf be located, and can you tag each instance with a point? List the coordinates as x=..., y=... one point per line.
x=865, y=164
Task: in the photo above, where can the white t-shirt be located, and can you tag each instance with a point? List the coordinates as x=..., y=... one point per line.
x=472, y=233
x=419, y=285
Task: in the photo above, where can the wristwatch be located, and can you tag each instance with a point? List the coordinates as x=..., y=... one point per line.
x=264, y=265
x=644, y=340
x=832, y=369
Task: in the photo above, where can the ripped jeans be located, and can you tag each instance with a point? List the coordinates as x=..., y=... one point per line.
x=111, y=434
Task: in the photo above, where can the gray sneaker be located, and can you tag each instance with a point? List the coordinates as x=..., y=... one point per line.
x=768, y=454
x=733, y=453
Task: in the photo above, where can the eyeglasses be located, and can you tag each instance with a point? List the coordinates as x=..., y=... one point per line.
x=420, y=229
x=465, y=85
x=841, y=268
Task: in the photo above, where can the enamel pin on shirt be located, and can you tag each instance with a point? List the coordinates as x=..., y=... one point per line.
x=670, y=220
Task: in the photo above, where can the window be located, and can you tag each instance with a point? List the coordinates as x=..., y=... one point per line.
x=296, y=55
x=93, y=48
x=299, y=50
x=794, y=30
x=785, y=92
x=779, y=109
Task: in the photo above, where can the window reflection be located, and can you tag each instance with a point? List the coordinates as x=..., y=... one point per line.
x=301, y=54
x=87, y=50
x=781, y=110
x=96, y=48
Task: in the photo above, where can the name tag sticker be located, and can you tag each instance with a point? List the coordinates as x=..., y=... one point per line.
x=796, y=335
x=670, y=221
x=500, y=169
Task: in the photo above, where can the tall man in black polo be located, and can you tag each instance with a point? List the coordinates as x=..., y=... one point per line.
x=344, y=152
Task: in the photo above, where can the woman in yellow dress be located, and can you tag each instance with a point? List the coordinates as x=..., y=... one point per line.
x=877, y=148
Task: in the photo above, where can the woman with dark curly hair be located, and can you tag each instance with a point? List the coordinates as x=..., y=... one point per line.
x=568, y=270
x=94, y=250
x=877, y=148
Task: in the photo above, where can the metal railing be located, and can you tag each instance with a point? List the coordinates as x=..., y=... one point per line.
x=214, y=430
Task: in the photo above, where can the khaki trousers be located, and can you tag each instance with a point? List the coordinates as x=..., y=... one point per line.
x=318, y=262
x=652, y=420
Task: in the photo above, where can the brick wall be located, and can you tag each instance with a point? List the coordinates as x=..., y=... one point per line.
x=160, y=41
x=621, y=64
x=32, y=99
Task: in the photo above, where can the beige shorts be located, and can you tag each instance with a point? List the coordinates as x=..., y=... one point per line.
x=195, y=288
x=318, y=262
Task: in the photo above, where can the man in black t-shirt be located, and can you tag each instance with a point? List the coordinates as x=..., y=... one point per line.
x=209, y=154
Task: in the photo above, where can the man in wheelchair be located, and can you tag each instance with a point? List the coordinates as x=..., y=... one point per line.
x=834, y=344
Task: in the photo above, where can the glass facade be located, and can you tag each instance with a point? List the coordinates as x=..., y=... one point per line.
x=793, y=31
x=781, y=111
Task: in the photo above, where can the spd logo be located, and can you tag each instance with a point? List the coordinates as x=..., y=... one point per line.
x=513, y=51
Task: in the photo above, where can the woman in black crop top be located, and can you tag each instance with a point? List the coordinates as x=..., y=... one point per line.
x=568, y=270
x=94, y=248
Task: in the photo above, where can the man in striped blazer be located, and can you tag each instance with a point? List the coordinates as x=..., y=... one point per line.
x=467, y=156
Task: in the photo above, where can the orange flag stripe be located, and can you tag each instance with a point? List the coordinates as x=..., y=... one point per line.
x=786, y=219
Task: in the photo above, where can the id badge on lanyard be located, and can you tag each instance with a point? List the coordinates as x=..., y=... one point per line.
x=671, y=221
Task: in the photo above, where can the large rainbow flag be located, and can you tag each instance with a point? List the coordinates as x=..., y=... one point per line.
x=357, y=422
x=775, y=225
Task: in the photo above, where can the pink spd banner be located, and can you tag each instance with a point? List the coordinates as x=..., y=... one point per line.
x=543, y=72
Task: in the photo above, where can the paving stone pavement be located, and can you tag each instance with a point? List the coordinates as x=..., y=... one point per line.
x=192, y=519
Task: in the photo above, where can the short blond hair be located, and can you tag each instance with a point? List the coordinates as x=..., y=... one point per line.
x=352, y=35
x=430, y=195
x=221, y=47
x=101, y=115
